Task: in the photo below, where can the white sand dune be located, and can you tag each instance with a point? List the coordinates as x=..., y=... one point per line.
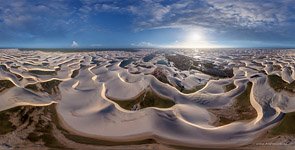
x=86, y=108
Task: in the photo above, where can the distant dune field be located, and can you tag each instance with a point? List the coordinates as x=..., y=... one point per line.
x=149, y=99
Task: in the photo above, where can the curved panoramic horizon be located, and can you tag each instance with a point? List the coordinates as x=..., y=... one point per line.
x=147, y=74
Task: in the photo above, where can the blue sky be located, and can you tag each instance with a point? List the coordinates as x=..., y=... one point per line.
x=147, y=23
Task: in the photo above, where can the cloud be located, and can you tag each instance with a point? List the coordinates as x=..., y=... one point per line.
x=144, y=44
x=237, y=19
x=186, y=43
x=226, y=20
x=151, y=14
x=214, y=14
x=74, y=44
x=222, y=20
x=38, y=19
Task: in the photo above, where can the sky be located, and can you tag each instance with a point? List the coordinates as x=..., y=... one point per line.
x=147, y=23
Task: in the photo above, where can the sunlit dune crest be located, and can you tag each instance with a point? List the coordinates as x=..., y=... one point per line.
x=172, y=97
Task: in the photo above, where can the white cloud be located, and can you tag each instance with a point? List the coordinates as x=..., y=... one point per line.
x=74, y=44
x=242, y=19
x=187, y=43
x=144, y=44
x=209, y=14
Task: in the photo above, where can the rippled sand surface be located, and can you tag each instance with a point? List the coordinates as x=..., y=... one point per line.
x=210, y=99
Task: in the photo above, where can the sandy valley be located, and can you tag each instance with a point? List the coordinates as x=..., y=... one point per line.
x=149, y=99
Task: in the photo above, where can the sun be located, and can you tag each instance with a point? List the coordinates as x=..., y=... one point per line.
x=196, y=39
x=194, y=36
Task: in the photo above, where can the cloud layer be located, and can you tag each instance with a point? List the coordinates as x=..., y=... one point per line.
x=232, y=20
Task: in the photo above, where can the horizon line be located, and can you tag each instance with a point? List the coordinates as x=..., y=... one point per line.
x=79, y=48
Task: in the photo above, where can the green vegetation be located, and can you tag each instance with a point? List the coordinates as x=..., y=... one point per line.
x=46, y=135
x=4, y=68
x=32, y=87
x=5, y=125
x=229, y=87
x=43, y=128
x=50, y=87
x=147, y=99
x=44, y=131
x=257, y=63
x=22, y=113
x=92, y=141
x=286, y=126
x=5, y=84
x=32, y=116
x=75, y=73
x=15, y=67
x=243, y=104
x=262, y=71
x=278, y=84
x=160, y=75
x=87, y=140
x=180, y=61
x=276, y=67
x=18, y=76
x=41, y=72
x=240, y=110
x=223, y=120
x=207, y=67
